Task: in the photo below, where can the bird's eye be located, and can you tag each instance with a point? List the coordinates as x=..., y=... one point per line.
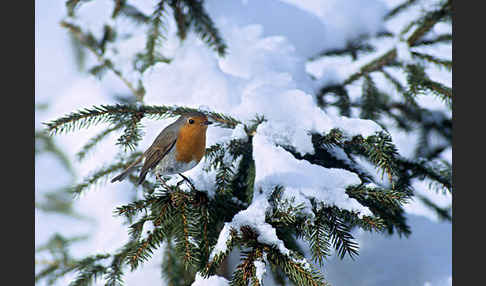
x=191, y=121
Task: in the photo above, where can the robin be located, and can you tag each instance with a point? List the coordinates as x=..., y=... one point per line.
x=177, y=148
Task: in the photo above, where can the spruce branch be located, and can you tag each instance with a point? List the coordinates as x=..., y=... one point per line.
x=114, y=275
x=204, y=231
x=79, y=52
x=291, y=263
x=119, y=4
x=136, y=228
x=164, y=212
x=187, y=243
x=325, y=156
x=387, y=59
x=224, y=178
x=400, y=8
x=420, y=169
x=319, y=241
x=173, y=270
x=396, y=83
x=89, y=41
x=131, y=12
x=96, y=177
x=429, y=21
x=339, y=232
x=217, y=257
x=190, y=221
x=89, y=270
x=382, y=152
x=221, y=157
x=59, y=202
x=353, y=48
x=81, y=154
x=109, y=35
x=45, y=143
x=285, y=212
x=442, y=213
x=47, y=271
x=88, y=275
x=444, y=38
x=155, y=36
x=392, y=200
x=419, y=83
x=343, y=103
x=204, y=26
x=88, y=117
x=370, y=96
x=417, y=29
x=245, y=273
x=385, y=204
x=355, y=219
x=135, y=207
x=182, y=21
x=127, y=114
x=295, y=267
x=73, y=5
x=439, y=62
x=378, y=148
x=144, y=249
x=59, y=244
x=132, y=133
x=61, y=262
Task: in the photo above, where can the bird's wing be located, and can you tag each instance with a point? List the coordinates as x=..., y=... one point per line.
x=159, y=149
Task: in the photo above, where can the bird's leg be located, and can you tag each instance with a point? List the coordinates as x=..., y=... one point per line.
x=157, y=175
x=179, y=183
x=186, y=179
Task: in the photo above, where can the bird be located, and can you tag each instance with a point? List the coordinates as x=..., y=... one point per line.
x=178, y=148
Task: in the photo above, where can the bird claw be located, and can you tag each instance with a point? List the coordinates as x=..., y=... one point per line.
x=162, y=181
x=187, y=180
x=184, y=178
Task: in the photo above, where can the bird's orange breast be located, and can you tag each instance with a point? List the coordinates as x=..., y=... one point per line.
x=191, y=144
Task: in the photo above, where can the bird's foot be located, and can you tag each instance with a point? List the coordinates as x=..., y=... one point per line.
x=184, y=178
x=162, y=181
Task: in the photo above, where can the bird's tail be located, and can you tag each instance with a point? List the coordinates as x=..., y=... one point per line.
x=127, y=171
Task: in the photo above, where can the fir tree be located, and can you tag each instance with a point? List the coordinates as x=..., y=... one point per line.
x=199, y=231
x=408, y=53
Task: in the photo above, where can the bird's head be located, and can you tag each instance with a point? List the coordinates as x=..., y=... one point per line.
x=195, y=122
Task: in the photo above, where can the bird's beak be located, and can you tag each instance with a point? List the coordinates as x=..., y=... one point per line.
x=207, y=122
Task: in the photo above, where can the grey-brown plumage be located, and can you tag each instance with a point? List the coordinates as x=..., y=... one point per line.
x=165, y=155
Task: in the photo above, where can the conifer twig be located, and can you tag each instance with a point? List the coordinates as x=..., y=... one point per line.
x=90, y=43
